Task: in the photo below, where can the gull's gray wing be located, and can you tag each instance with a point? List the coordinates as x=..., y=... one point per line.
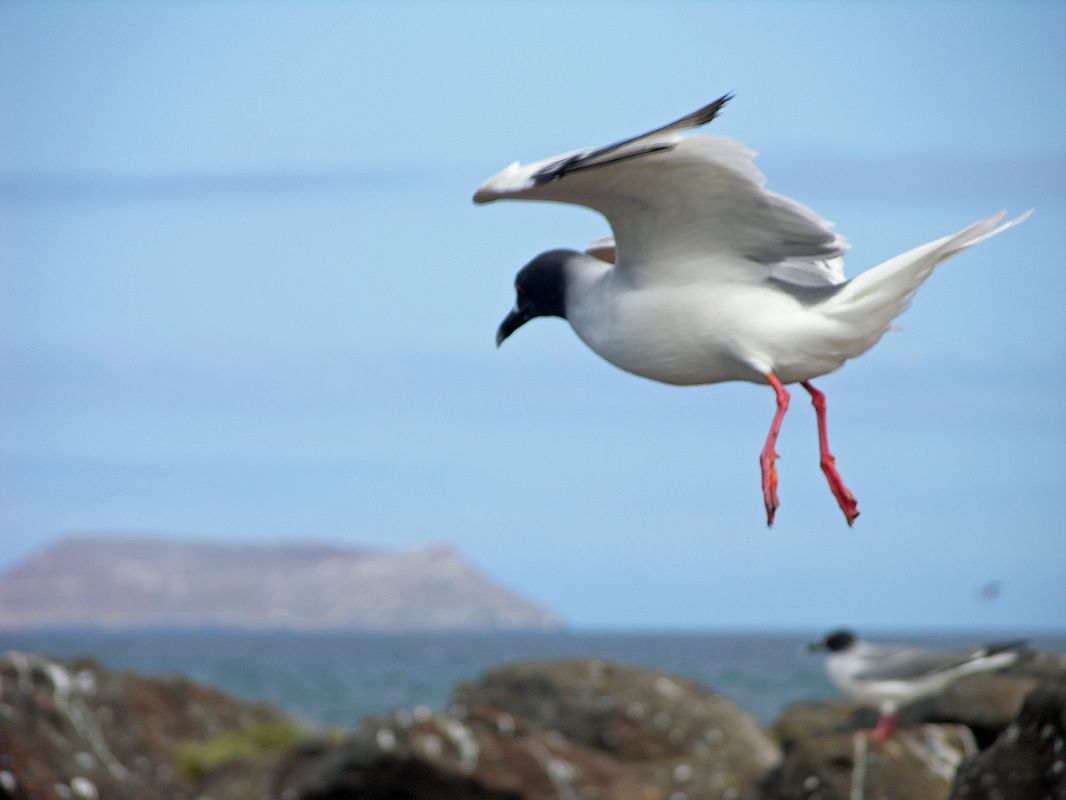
x=888, y=663
x=682, y=206
x=801, y=276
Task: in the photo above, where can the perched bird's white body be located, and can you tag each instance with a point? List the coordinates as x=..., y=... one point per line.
x=708, y=276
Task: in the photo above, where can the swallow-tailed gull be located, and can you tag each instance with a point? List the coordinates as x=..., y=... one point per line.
x=709, y=277
x=888, y=676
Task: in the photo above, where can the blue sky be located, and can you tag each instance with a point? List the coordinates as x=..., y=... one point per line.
x=244, y=295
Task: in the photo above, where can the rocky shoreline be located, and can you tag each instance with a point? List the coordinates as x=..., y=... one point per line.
x=553, y=730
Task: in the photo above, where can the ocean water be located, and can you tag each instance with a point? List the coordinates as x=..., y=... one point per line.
x=340, y=678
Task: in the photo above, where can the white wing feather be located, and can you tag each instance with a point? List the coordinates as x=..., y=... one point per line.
x=682, y=206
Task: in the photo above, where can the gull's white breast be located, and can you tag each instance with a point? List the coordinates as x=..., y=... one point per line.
x=699, y=332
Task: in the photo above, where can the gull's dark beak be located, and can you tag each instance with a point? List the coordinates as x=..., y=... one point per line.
x=518, y=317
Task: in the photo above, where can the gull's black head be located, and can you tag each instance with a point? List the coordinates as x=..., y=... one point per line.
x=540, y=291
x=835, y=641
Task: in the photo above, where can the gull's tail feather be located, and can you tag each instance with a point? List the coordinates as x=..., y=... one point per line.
x=987, y=661
x=873, y=299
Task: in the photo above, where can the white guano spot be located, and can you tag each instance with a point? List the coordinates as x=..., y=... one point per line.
x=668, y=688
x=72, y=706
x=85, y=682
x=559, y=772
x=940, y=756
x=84, y=788
x=7, y=781
x=59, y=677
x=636, y=710
x=465, y=741
x=683, y=773
x=21, y=663
x=505, y=724
x=385, y=739
x=432, y=746
x=810, y=783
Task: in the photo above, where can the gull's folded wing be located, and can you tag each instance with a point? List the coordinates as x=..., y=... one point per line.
x=910, y=663
x=813, y=273
x=678, y=204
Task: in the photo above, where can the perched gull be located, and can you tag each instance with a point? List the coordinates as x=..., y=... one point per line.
x=709, y=277
x=888, y=676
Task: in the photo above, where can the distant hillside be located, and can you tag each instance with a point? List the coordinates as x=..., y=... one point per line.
x=128, y=582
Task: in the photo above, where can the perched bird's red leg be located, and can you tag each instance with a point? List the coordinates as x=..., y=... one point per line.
x=766, y=459
x=886, y=726
x=845, y=499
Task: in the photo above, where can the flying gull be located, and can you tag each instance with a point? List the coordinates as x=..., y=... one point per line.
x=888, y=676
x=708, y=276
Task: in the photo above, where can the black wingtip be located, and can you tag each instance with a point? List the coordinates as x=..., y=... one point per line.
x=995, y=648
x=581, y=160
x=702, y=116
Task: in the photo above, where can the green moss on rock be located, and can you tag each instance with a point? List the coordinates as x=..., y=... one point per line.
x=195, y=759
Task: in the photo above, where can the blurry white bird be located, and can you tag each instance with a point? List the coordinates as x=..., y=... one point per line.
x=888, y=675
x=709, y=277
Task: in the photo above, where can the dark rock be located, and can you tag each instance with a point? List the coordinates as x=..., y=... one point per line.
x=681, y=736
x=475, y=754
x=801, y=721
x=74, y=731
x=915, y=764
x=244, y=779
x=1028, y=760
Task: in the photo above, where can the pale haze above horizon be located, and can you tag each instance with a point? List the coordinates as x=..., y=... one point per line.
x=245, y=297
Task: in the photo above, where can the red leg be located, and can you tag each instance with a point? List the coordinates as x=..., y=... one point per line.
x=886, y=726
x=845, y=499
x=768, y=456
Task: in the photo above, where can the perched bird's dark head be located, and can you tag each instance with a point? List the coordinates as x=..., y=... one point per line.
x=834, y=642
x=540, y=291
